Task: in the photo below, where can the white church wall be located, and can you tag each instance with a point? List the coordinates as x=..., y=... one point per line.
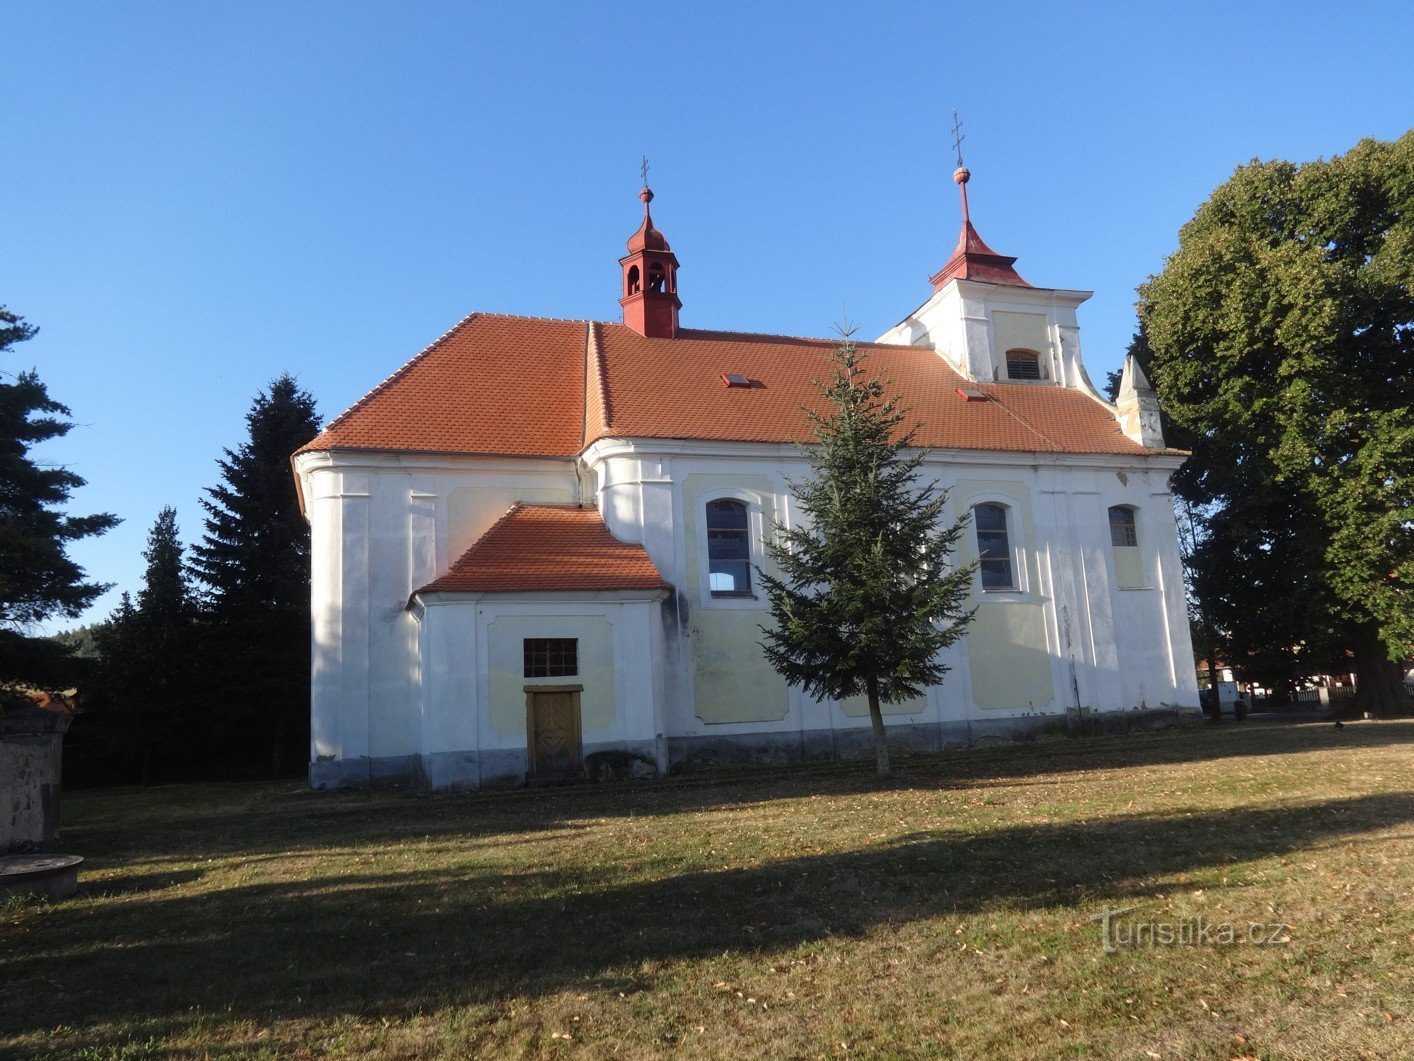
x=395, y=696
x=1082, y=651
x=476, y=694
x=381, y=526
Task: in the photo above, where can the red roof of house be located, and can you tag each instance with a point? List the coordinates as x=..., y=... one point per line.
x=549, y=547
x=529, y=386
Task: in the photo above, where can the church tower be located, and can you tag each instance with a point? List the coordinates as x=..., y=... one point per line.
x=989, y=324
x=650, y=279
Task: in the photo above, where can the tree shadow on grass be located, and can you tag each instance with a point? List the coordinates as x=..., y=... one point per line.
x=256, y=820
x=398, y=944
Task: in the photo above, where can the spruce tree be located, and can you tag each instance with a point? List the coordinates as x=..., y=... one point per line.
x=254, y=562
x=38, y=579
x=867, y=596
x=146, y=702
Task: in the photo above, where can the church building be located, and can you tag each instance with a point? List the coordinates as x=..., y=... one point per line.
x=535, y=545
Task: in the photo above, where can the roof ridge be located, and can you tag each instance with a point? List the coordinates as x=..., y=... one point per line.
x=606, y=408
x=515, y=507
x=584, y=405
x=533, y=317
x=400, y=372
x=687, y=333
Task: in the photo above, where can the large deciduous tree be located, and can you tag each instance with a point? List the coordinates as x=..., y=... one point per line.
x=867, y=595
x=1283, y=338
x=254, y=561
x=38, y=579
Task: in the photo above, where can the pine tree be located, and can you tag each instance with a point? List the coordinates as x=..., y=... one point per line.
x=254, y=561
x=146, y=701
x=37, y=577
x=867, y=595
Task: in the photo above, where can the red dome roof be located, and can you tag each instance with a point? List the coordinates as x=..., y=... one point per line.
x=647, y=237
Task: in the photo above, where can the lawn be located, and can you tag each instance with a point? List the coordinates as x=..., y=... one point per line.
x=802, y=912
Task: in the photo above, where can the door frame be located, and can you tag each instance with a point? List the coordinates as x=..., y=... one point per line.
x=575, y=692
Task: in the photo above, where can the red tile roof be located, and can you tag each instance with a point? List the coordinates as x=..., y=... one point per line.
x=525, y=386
x=493, y=384
x=549, y=547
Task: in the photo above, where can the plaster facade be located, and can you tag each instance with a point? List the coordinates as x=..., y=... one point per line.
x=415, y=685
x=431, y=692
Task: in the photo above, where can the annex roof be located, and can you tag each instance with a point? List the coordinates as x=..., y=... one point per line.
x=529, y=386
x=537, y=548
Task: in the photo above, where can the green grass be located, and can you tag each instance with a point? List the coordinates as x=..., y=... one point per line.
x=804, y=912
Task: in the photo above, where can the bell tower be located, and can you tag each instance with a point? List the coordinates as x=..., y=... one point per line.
x=649, y=295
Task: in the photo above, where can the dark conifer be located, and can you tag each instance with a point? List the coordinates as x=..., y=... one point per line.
x=38, y=579
x=254, y=562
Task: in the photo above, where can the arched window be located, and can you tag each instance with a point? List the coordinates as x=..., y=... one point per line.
x=657, y=277
x=1124, y=546
x=728, y=549
x=994, y=547
x=632, y=282
x=1123, y=533
x=1023, y=364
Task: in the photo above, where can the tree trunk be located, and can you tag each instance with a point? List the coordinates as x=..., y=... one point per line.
x=277, y=746
x=1379, y=682
x=1215, y=707
x=881, y=743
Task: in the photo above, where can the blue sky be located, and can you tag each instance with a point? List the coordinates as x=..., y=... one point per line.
x=198, y=197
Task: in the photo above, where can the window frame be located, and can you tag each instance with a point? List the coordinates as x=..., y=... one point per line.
x=1013, y=558
x=1132, y=526
x=745, y=537
x=1120, y=564
x=555, y=653
x=1041, y=374
x=760, y=508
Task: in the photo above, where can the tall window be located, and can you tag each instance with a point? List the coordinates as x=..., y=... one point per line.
x=994, y=547
x=1122, y=531
x=551, y=657
x=1023, y=364
x=1124, y=544
x=728, y=549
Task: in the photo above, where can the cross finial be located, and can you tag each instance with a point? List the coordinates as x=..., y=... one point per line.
x=957, y=137
x=643, y=169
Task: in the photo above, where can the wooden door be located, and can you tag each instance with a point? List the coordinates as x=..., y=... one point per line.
x=552, y=733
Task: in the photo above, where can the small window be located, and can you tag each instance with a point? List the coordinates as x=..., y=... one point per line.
x=1023, y=364
x=551, y=657
x=728, y=549
x=1122, y=531
x=657, y=278
x=632, y=284
x=994, y=547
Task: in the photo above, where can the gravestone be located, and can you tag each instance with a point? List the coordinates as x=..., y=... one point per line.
x=31, y=742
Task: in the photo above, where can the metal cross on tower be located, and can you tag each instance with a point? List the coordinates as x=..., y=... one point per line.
x=957, y=137
x=644, y=168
